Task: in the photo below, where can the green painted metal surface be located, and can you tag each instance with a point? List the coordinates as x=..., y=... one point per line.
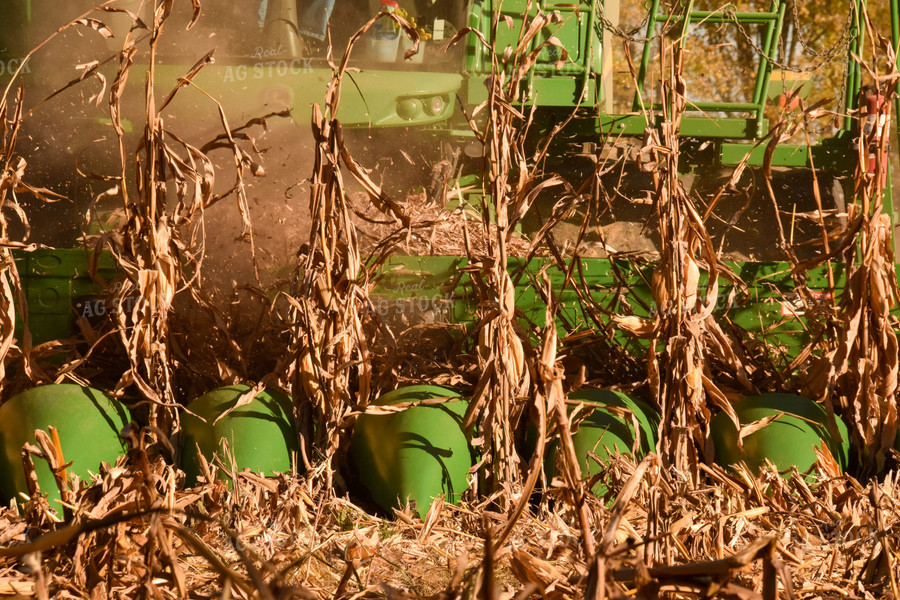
x=563, y=73
x=787, y=441
x=415, y=454
x=88, y=423
x=789, y=83
x=59, y=288
x=436, y=290
x=689, y=19
x=691, y=126
x=272, y=74
x=373, y=99
x=837, y=155
x=258, y=436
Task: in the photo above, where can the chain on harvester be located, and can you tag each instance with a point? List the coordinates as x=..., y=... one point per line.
x=839, y=47
x=827, y=56
x=843, y=42
x=632, y=35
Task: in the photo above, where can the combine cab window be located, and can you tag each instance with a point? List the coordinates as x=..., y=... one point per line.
x=291, y=29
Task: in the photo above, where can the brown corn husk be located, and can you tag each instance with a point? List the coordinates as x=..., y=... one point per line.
x=329, y=362
x=669, y=526
x=685, y=330
x=857, y=376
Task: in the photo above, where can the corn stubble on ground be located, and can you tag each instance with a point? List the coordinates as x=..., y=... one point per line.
x=670, y=526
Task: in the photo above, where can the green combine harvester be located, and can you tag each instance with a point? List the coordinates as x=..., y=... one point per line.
x=263, y=66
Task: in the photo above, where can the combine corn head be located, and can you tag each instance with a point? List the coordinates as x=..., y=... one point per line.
x=769, y=185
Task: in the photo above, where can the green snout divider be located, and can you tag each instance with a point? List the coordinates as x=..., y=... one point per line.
x=609, y=428
x=415, y=454
x=787, y=441
x=88, y=422
x=258, y=436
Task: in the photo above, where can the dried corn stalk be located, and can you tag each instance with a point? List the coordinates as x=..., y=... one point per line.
x=682, y=375
x=155, y=262
x=329, y=361
x=12, y=183
x=509, y=186
x=861, y=370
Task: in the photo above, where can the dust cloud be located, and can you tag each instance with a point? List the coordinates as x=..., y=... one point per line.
x=71, y=147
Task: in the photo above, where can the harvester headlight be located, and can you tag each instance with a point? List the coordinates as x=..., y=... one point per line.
x=474, y=149
x=435, y=106
x=409, y=108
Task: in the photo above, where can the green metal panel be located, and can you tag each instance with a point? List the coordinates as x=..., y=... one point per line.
x=561, y=91
x=837, y=154
x=422, y=289
x=575, y=31
x=372, y=98
x=772, y=313
x=783, y=155
x=559, y=78
x=789, y=82
x=54, y=282
x=436, y=289
x=742, y=128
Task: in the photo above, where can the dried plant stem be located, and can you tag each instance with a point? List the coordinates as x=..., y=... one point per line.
x=508, y=181
x=858, y=375
x=12, y=182
x=329, y=303
x=329, y=357
x=150, y=267
x=682, y=375
x=157, y=251
x=680, y=382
